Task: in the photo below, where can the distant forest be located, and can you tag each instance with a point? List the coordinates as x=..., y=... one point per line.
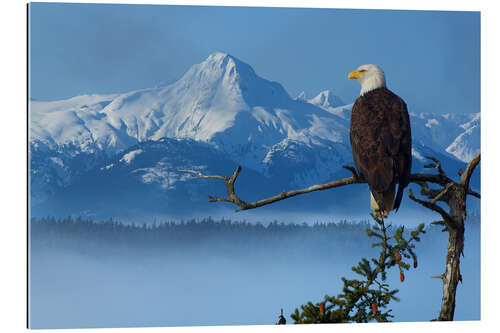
x=206, y=236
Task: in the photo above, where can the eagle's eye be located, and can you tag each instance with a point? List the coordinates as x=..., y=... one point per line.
x=362, y=70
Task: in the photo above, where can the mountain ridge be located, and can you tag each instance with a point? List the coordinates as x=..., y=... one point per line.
x=223, y=104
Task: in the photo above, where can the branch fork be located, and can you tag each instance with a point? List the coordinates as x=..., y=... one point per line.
x=243, y=205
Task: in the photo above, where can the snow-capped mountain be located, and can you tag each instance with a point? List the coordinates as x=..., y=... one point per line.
x=468, y=143
x=221, y=101
x=457, y=134
x=220, y=107
x=326, y=99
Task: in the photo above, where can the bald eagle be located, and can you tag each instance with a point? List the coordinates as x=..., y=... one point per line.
x=380, y=139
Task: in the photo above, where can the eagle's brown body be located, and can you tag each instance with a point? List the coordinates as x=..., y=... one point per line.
x=381, y=145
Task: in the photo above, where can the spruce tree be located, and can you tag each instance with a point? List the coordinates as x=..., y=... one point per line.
x=367, y=298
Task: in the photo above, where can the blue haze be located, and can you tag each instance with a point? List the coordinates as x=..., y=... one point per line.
x=431, y=58
x=120, y=281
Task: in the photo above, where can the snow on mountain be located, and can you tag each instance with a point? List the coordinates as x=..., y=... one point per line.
x=331, y=103
x=205, y=101
x=219, y=103
x=301, y=96
x=75, y=121
x=444, y=132
x=150, y=183
x=475, y=120
x=128, y=157
x=326, y=99
x=456, y=134
x=467, y=144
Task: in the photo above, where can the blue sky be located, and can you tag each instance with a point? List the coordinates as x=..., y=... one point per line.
x=431, y=59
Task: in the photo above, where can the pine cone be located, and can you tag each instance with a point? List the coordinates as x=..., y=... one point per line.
x=374, y=308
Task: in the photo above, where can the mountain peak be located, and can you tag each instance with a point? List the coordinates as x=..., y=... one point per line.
x=221, y=72
x=219, y=56
x=302, y=96
x=327, y=99
x=224, y=63
x=220, y=59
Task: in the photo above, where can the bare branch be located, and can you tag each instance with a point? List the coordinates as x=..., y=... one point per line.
x=436, y=165
x=318, y=187
x=427, y=191
x=353, y=171
x=230, y=190
x=420, y=179
x=438, y=223
x=432, y=206
x=441, y=223
x=442, y=193
x=233, y=198
x=475, y=194
x=243, y=205
x=439, y=178
x=431, y=178
x=235, y=174
x=215, y=199
x=465, y=179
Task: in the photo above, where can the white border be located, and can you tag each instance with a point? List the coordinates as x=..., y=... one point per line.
x=13, y=165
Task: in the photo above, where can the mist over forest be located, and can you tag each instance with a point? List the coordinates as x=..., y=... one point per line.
x=85, y=273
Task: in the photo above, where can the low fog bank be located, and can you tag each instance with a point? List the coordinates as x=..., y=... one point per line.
x=85, y=274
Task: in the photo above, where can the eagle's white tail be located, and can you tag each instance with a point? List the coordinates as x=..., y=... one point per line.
x=388, y=203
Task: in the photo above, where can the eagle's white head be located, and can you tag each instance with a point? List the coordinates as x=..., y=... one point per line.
x=369, y=76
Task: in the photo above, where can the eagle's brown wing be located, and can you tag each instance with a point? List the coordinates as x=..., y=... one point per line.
x=381, y=142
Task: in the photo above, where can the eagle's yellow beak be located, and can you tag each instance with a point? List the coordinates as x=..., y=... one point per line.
x=353, y=75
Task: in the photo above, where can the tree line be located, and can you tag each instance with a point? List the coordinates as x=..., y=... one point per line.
x=215, y=235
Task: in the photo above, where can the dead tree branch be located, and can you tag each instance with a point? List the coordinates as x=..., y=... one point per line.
x=243, y=205
x=442, y=193
x=419, y=178
x=447, y=219
x=465, y=178
x=474, y=194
